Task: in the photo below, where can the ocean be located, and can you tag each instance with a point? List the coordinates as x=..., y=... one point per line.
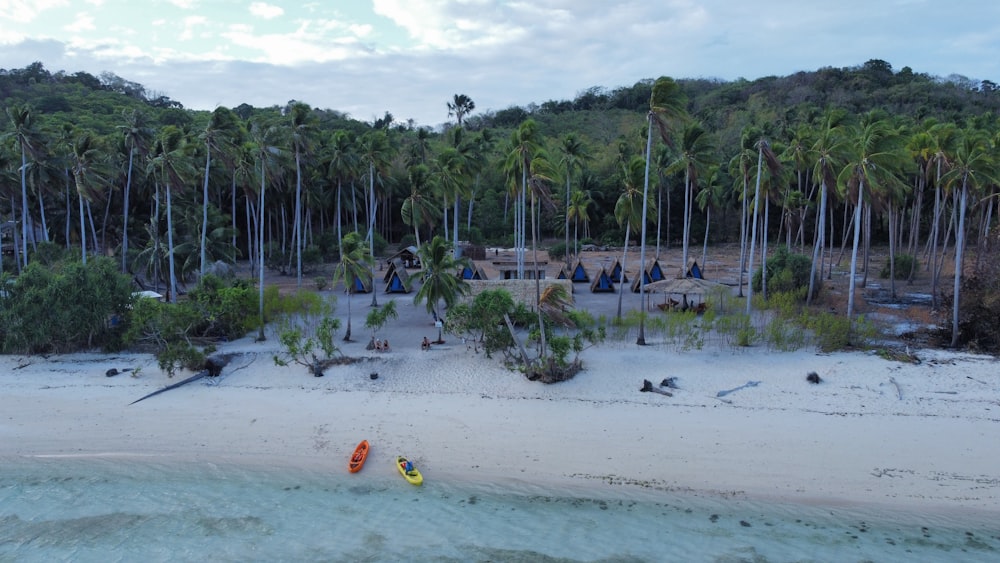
x=114, y=509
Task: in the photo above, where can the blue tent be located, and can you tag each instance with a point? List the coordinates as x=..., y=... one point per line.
x=580, y=273
x=617, y=275
x=693, y=270
x=398, y=282
x=468, y=273
x=655, y=271
x=602, y=283
x=361, y=286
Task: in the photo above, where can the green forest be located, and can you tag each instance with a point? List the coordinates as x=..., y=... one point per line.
x=860, y=156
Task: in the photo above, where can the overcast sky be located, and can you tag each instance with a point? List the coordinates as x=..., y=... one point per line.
x=409, y=57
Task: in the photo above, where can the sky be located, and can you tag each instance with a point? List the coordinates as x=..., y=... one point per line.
x=410, y=57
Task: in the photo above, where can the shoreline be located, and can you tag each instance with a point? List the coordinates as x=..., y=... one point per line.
x=849, y=441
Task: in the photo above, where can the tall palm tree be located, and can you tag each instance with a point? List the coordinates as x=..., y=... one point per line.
x=525, y=142
x=945, y=137
x=696, y=153
x=460, y=106
x=355, y=264
x=765, y=156
x=341, y=166
x=438, y=281
x=217, y=137
x=264, y=146
x=375, y=152
x=137, y=135
x=301, y=132
x=709, y=198
x=628, y=212
x=86, y=174
x=172, y=166
x=28, y=140
x=828, y=150
x=578, y=210
x=974, y=166
x=666, y=104
x=573, y=155
x=874, y=155
x=417, y=209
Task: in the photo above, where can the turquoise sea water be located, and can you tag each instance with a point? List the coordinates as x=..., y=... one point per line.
x=85, y=509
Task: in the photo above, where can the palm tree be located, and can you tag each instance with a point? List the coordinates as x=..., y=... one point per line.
x=86, y=165
x=974, y=166
x=355, y=264
x=828, y=151
x=579, y=204
x=341, y=166
x=874, y=155
x=301, y=137
x=438, y=281
x=666, y=103
x=375, y=152
x=696, y=153
x=417, y=209
x=28, y=141
x=460, y=106
x=764, y=155
x=524, y=143
x=628, y=212
x=217, y=138
x=265, y=152
x=172, y=165
x=945, y=137
x=573, y=154
x=137, y=139
x=709, y=198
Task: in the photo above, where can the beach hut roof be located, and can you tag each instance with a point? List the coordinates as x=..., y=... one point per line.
x=602, y=283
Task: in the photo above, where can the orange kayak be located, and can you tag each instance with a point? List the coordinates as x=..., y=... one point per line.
x=359, y=457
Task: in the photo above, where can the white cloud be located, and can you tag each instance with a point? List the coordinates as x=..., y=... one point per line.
x=190, y=24
x=83, y=22
x=184, y=4
x=266, y=11
x=25, y=11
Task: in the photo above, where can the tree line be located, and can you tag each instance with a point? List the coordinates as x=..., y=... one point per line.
x=855, y=156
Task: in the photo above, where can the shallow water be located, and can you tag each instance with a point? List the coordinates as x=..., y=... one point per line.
x=85, y=509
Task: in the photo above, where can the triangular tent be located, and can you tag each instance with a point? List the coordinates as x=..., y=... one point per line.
x=647, y=276
x=562, y=274
x=580, y=273
x=398, y=282
x=693, y=271
x=656, y=272
x=468, y=273
x=602, y=283
x=361, y=286
x=479, y=274
x=395, y=264
x=617, y=274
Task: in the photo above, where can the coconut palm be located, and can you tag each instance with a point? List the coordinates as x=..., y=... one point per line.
x=375, y=152
x=710, y=197
x=28, y=140
x=355, y=264
x=265, y=152
x=301, y=133
x=524, y=143
x=696, y=153
x=579, y=205
x=417, y=209
x=874, y=154
x=764, y=156
x=341, y=167
x=628, y=211
x=438, y=279
x=945, y=137
x=217, y=137
x=138, y=136
x=974, y=166
x=87, y=176
x=828, y=150
x=172, y=167
x=573, y=154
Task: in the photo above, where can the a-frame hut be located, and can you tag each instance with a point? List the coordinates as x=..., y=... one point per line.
x=579, y=273
x=398, y=282
x=693, y=271
x=479, y=274
x=468, y=272
x=562, y=274
x=655, y=271
x=395, y=264
x=617, y=273
x=407, y=256
x=361, y=285
x=647, y=276
x=602, y=283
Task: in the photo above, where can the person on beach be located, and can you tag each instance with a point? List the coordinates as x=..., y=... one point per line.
x=426, y=344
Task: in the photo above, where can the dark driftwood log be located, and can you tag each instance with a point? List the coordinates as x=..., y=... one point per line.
x=813, y=377
x=647, y=386
x=212, y=368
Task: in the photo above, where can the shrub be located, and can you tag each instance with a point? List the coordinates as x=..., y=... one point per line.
x=785, y=272
x=905, y=263
x=557, y=251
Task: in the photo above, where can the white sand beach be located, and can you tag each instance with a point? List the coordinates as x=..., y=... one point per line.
x=911, y=436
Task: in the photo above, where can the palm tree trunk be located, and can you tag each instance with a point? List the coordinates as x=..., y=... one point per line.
x=959, y=249
x=260, y=255
x=743, y=236
x=852, y=283
x=753, y=233
x=170, y=250
x=204, y=210
x=125, y=204
x=621, y=287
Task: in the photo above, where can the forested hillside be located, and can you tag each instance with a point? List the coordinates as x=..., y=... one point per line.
x=101, y=163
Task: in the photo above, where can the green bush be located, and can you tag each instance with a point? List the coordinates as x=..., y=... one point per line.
x=557, y=251
x=785, y=272
x=227, y=309
x=905, y=263
x=65, y=307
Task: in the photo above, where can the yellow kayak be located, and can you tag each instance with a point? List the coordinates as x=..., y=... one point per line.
x=408, y=471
